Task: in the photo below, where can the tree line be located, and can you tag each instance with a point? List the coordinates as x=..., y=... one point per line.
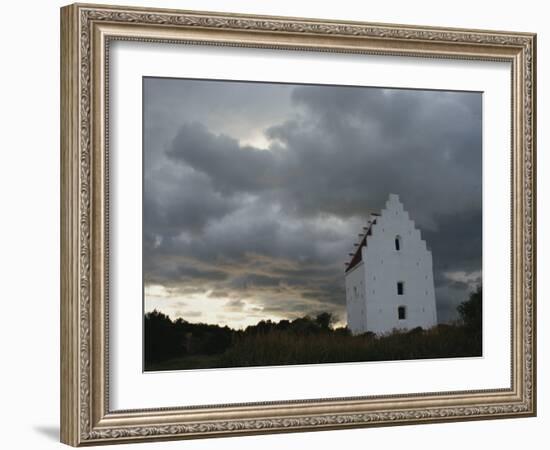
x=303, y=340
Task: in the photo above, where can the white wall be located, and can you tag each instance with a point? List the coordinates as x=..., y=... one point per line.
x=371, y=286
x=356, y=306
x=30, y=222
x=411, y=265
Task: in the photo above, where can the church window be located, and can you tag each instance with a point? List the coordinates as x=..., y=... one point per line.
x=398, y=243
x=401, y=313
x=400, y=288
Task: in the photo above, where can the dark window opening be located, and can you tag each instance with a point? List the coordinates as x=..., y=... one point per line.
x=397, y=243
x=401, y=313
x=400, y=287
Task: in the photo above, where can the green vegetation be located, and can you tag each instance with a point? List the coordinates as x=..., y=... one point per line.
x=176, y=345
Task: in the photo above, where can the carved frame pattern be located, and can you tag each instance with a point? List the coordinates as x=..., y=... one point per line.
x=86, y=418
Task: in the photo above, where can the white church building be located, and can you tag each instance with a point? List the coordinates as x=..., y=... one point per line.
x=389, y=279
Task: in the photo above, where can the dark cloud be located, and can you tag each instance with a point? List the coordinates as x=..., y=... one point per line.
x=192, y=314
x=228, y=166
x=177, y=199
x=219, y=294
x=235, y=304
x=274, y=225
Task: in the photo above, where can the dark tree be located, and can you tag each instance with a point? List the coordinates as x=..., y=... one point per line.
x=160, y=337
x=304, y=325
x=325, y=320
x=471, y=310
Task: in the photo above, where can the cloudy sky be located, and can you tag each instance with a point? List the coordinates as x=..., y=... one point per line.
x=254, y=193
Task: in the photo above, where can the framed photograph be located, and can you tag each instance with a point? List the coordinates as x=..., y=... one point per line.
x=276, y=224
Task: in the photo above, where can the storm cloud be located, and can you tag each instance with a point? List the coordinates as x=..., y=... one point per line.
x=254, y=193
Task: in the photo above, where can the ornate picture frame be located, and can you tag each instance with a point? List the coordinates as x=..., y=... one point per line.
x=87, y=31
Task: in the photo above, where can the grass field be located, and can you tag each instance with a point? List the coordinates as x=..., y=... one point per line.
x=287, y=348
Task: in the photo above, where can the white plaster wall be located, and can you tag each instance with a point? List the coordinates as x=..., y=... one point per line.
x=385, y=266
x=356, y=299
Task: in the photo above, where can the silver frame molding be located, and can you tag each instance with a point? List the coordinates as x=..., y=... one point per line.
x=86, y=31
